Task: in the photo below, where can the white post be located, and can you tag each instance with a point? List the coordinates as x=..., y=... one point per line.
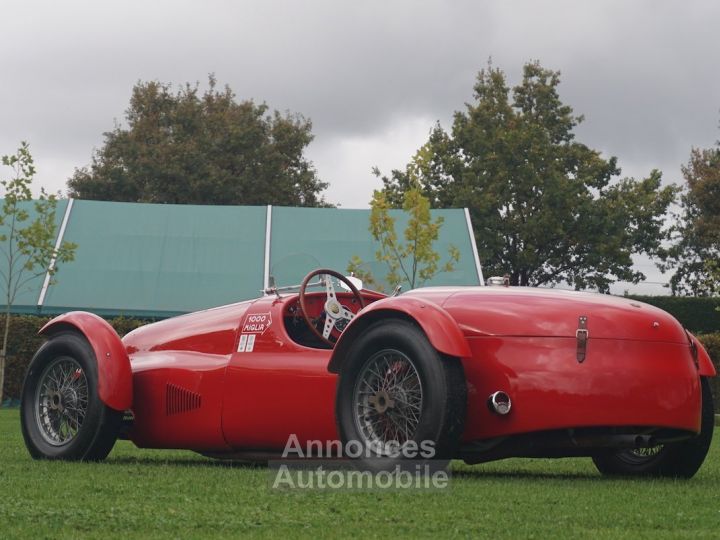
x=474, y=247
x=268, y=231
x=58, y=243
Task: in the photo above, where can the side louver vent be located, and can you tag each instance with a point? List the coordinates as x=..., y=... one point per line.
x=178, y=400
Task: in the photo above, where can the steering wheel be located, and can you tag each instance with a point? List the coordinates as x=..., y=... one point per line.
x=334, y=311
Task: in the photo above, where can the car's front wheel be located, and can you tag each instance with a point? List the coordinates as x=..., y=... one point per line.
x=681, y=459
x=61, y=414
x=398, y=400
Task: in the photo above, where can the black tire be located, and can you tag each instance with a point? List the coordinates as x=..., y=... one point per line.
x=398, y=348
x=681, y=459
x=61, y=414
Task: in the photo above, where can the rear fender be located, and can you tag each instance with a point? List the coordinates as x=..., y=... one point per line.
x=704, y=363
x=440, y=328
x=114, y=371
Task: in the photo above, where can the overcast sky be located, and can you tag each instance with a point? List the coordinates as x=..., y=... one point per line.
x=373, y=76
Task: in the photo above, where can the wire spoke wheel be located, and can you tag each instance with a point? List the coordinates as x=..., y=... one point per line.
x=388, y=401
x=62, y=415
x=398, y=400
x=635, y=457
x=61, y=401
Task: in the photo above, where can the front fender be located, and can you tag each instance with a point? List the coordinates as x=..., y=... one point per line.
x=704, y=363
x=114, y=371
x=440, y=328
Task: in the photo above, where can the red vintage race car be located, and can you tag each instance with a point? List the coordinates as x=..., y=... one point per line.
x=480, y=373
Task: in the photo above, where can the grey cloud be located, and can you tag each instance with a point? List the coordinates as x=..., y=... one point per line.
x=643, y=73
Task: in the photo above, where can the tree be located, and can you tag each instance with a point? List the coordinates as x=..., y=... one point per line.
x=27, y=237
x=695, y=250
x=545, y=208
x=412, y=261
x=189, y=148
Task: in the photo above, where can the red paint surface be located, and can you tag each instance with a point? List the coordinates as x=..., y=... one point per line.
x=440, y=328
x=706, y=367
x=521, y=311
x=620, y=383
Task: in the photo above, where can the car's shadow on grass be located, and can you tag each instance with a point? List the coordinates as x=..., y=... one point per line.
x=185, y=462
x=590, y=476
x=522, y=475
x=465, y=473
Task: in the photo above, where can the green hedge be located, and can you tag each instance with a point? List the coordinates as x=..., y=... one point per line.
x=697, y=314
x=23, y=341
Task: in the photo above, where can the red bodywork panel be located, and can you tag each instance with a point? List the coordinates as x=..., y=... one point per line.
x=639, y=369
x=440, y=328
x=621, y=383
x=114, y=374
x=705, y=365
x=270, y=396
x=179, y=367
x=238, y=377
x=521, y=311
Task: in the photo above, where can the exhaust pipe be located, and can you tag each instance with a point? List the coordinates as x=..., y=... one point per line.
x=499, y=403
x=645, y=441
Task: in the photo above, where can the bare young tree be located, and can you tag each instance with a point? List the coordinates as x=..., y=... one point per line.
x=27, y=237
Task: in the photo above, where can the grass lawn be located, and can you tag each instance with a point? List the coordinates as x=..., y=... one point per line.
x=176, y=494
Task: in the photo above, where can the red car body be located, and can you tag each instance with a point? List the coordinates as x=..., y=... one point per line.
x=571, y=362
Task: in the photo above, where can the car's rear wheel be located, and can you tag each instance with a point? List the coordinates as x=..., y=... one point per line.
x=61, y=414
x=398, y=400
x=681, y=459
